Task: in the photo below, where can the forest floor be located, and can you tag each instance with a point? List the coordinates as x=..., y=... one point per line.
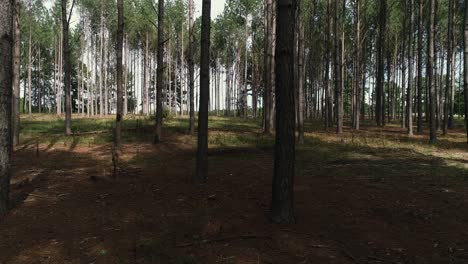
x=375, y=196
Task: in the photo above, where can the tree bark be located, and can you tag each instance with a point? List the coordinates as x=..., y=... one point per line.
x=379, y=104
x=16, y=74
x=119, y=115
x=266, y=69
x=191, y=69
x=282, y=205
x=101, y=61
x=430, y=74
x=465, y=66
x=201, y=174
x=357, y=84
x=6, y=72
x=449, y=76
x=67, y=65
x=30, y=65
x=420, y=66
x=160, y=73
x=301, y=76
x=410, y=70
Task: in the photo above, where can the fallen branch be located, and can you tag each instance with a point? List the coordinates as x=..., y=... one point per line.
x=230, y=238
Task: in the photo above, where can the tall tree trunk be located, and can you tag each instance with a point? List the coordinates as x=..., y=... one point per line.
x=79, y=77
x=282, y=205
x=272, y=62
x=88, y=81
x=430, y=73
x=266, y=68
x=410, y=70
x=125, y=85
x=465, y=67
x=160, y=73
x=119, y=115
x=30, y=66
x=449, y=76
x=300, y=74
x=144, y=90
x=191, y=69
x=201, y=174
x=67, y=65
x=101, y=61
x=327, y=86
x=379, y=104
x=420, y=65
x=337, y=73
x=6, y=70
x=357, y=84
x=106, y=89
x=246, y=61
x=16, y=74
x=182, y=72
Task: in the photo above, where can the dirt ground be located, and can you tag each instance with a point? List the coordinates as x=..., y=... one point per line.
x=360, y=198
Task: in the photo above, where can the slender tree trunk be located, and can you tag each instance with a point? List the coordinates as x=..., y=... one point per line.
x=191, y=69
x=267, y=68
x=182, y=72
x=67, y=65
x=80, y=77
x=449, y=76
x=420, y=65
x=430, y=73
x=6, y=70
x=106, y=89
x=327, y=86
x=119, y=115
x=300, y=74
x=101, y=61
x=201, y=174
x=16, y=74
x=465, y=67
x=30, y=67
x=282, y=205
x=125, y=85
x=410, y=70
x=379, y=105
x=160, y=73
x=272, y=62
x=144, y=90
x=357, y=84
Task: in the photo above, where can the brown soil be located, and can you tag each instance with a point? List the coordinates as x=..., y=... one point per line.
x=67, y=208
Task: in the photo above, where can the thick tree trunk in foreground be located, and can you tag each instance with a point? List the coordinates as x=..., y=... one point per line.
x=282, y=205
x=430, y=74
x=160, y=73
x=67, y=65
x=201, y=174
x=6, y=71
x=16, y=74
x=120, y=33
